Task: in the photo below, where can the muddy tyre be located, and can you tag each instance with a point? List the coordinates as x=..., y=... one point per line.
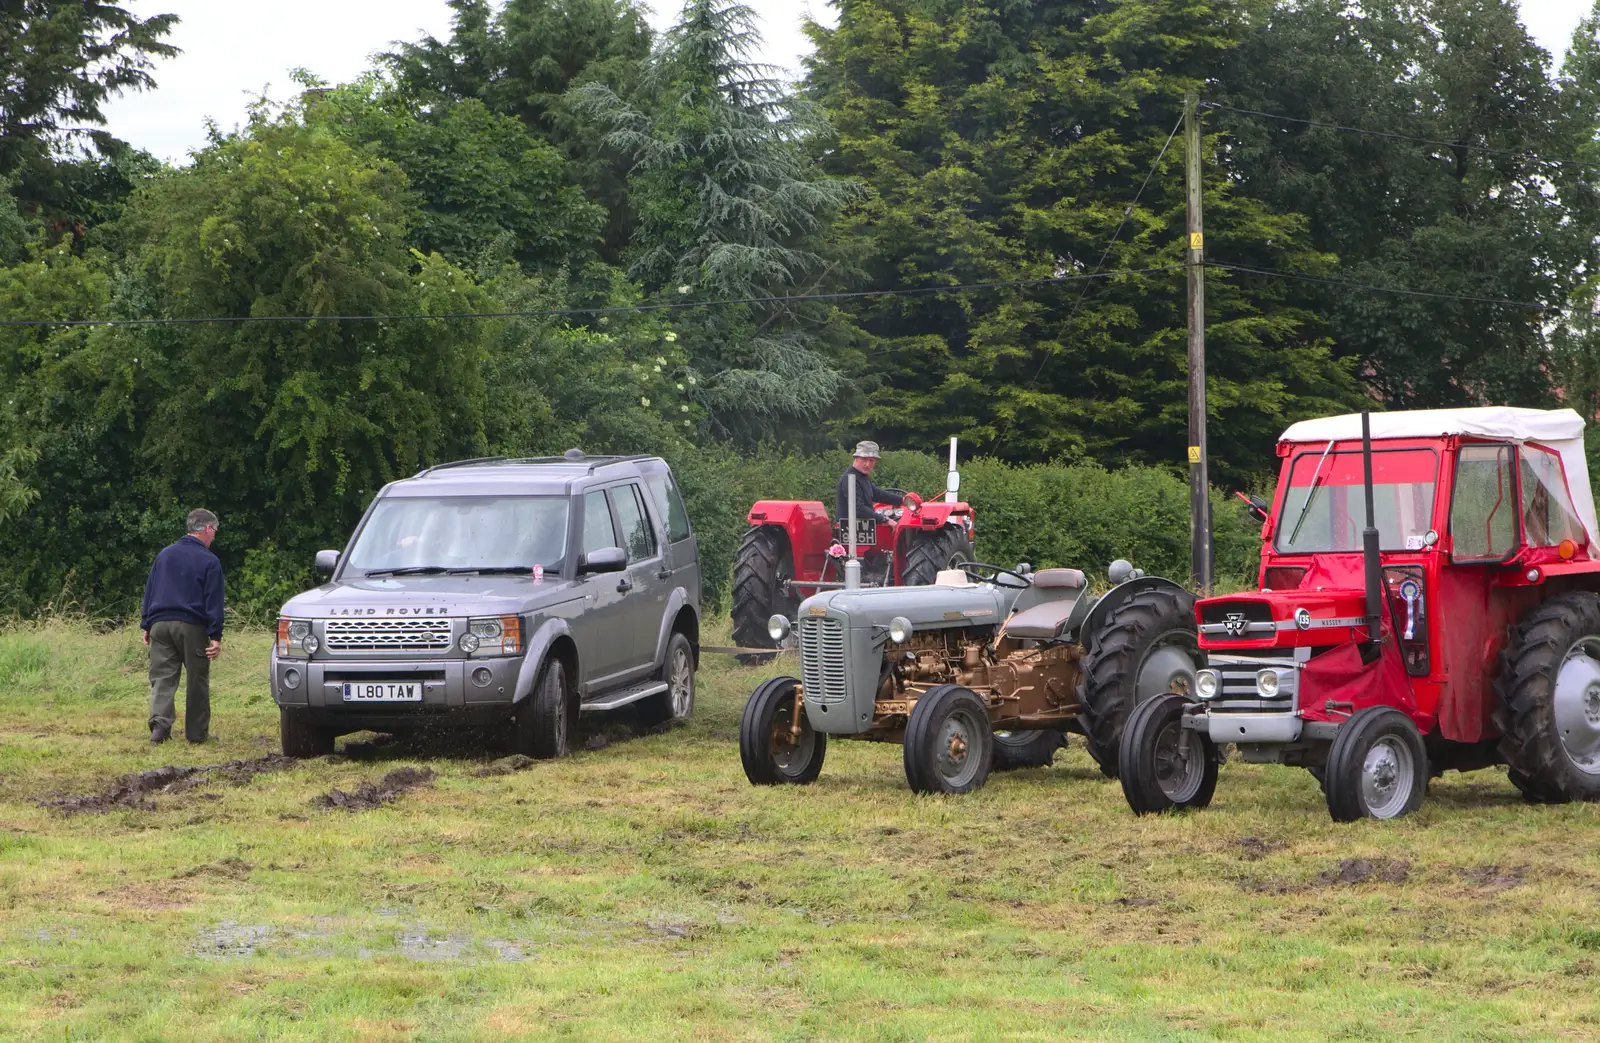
x=770, y=751
x=1140, y=650
x=1549, y=689
x=1165, y=766
x=677, y=702
x=928, y=553
x=949, y=743
x=761, y=568
x=547, y=717
x=1015, y=750
x=1377, y=767
x=301, y=738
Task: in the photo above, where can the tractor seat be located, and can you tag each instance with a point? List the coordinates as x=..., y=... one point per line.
x=1068, y=579
x=1047, y=621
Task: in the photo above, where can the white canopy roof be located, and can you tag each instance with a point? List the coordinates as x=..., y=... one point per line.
x=1557, y=429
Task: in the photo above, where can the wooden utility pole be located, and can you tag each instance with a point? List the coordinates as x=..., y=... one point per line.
x=1199, y=480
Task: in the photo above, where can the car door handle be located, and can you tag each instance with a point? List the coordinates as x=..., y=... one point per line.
x=624, y=585
x=664, y=573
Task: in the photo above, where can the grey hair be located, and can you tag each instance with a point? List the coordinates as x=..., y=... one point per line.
x=201, y=519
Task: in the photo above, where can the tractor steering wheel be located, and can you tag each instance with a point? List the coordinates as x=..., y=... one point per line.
x=976, y=570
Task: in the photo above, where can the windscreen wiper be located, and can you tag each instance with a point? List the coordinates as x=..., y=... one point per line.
x=494, y=570
x=1316, y=483
x=410, y=570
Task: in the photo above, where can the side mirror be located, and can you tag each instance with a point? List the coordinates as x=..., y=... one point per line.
x=327, y=561
x=1255, y=505
x=952, y=482
x=606, y=559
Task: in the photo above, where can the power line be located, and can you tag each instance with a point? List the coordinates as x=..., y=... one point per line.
x=1276, y=273
x=613, y=310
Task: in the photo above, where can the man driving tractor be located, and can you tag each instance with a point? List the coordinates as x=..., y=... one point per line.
x=868, y=493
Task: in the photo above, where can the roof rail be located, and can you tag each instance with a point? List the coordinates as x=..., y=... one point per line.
x=592, y=462
x=459, y=463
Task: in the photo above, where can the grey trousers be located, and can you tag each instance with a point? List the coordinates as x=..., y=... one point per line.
x=178, y=647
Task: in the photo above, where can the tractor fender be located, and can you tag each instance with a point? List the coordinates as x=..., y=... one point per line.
x=805, y=523
x=538, y=647
x=940, y=513
x=1120, y=593
x=675, y=602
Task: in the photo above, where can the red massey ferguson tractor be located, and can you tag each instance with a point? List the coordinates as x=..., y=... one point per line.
x=792, y=550
x=1429, y=600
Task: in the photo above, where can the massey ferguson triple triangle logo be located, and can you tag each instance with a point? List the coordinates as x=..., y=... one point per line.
x=1234, y=623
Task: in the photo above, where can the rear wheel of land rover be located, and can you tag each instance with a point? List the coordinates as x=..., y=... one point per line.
x=949, y=743
x=301, y=738
x=1377, y=767
x=1549, y=688
x=1165, y=766
x=545, y=718
x=677, y=702
x=776, y=742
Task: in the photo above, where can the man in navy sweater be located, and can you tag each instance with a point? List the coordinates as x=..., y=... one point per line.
x=182, y=624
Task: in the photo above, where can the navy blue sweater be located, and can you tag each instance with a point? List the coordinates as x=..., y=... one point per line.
x=185, y=585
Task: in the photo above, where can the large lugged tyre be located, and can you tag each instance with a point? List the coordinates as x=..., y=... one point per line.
x=761, y=568
x=1165, y=766
x=1377, y=767
x=1140, y=650
x=547, y=717
x=301, y=738
x=949, y=743
x=928, y=553
x=770, y=751
x=1015, y=750
x=1549, y=689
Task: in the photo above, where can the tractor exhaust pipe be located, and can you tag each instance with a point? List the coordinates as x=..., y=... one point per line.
x=1369, y=539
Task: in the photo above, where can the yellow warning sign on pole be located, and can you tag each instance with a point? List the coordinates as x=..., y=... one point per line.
x=1197, y=240
x=1194, y=454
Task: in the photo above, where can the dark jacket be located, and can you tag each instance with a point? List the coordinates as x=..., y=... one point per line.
x=185, y=586
x=867, y=494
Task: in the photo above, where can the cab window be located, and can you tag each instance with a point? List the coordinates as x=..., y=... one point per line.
x=1547, y=514
x=597, y=531
x=669, y=505
x=1483, y=523
x=637, y=537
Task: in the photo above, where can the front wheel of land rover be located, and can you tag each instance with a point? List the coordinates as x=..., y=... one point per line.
x=776, y=742
x=300, y=737
x=545, y=719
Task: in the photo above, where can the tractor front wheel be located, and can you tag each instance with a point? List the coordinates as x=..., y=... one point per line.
x=1165, y=766
x=777, y=744
x=949, y=743
x=1014, y=750
x=1377, y=767
x=762, y=570
x=1549, y=688
x=1146, y=646
x=929, y=553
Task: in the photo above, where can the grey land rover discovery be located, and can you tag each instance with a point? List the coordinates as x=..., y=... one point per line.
x=507, y=593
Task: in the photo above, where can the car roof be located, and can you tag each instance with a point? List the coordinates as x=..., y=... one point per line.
x=538, y=474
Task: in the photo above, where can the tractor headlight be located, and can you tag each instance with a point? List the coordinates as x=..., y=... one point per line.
x=1207, y=683
x=778, y=627
x=1267, y=684
x=899, y=630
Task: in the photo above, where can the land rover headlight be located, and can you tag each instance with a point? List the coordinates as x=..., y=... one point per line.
x=492, y=635
x=1267, y=684
x=1207, y=683
x=778, y=627
x=899, y=630
x=293, y=634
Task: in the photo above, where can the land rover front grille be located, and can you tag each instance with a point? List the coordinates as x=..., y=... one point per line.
x=823, y=663
x=387, y=635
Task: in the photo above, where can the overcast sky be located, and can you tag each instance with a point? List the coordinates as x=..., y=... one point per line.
x=233, y=49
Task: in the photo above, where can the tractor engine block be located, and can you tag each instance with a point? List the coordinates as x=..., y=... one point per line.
x=1033, y=683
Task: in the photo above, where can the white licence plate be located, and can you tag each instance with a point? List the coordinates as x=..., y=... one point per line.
x=382, y=692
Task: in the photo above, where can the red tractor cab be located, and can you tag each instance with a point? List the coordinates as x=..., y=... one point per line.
x=1427, y=601
x=792, y=550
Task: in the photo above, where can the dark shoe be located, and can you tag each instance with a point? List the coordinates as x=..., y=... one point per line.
x=197, y=742
x=160, y=734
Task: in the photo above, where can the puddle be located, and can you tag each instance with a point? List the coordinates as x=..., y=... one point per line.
x=368, y=796
x=232, y=941
x=133, y=789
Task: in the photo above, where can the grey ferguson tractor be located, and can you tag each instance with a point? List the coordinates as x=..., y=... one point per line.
x=986, y=669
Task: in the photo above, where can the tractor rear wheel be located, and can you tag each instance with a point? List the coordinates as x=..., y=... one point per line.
x=949, y=743
x=761, y=571
x=1013, y=750
x=1145, y=647
x=1377, y=767
x=929, y=553
x=773, y=750
x=1549, y=689
x=1165, y=766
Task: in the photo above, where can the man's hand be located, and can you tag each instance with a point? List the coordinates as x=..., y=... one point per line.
x=146, y=635
x=214, y=649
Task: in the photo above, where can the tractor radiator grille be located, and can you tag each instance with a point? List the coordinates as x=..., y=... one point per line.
x=823, y=660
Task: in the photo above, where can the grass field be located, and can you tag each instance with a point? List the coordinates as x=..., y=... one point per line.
x=644, y=890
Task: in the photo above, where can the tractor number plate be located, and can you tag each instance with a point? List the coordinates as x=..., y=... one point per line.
x=867, y=532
